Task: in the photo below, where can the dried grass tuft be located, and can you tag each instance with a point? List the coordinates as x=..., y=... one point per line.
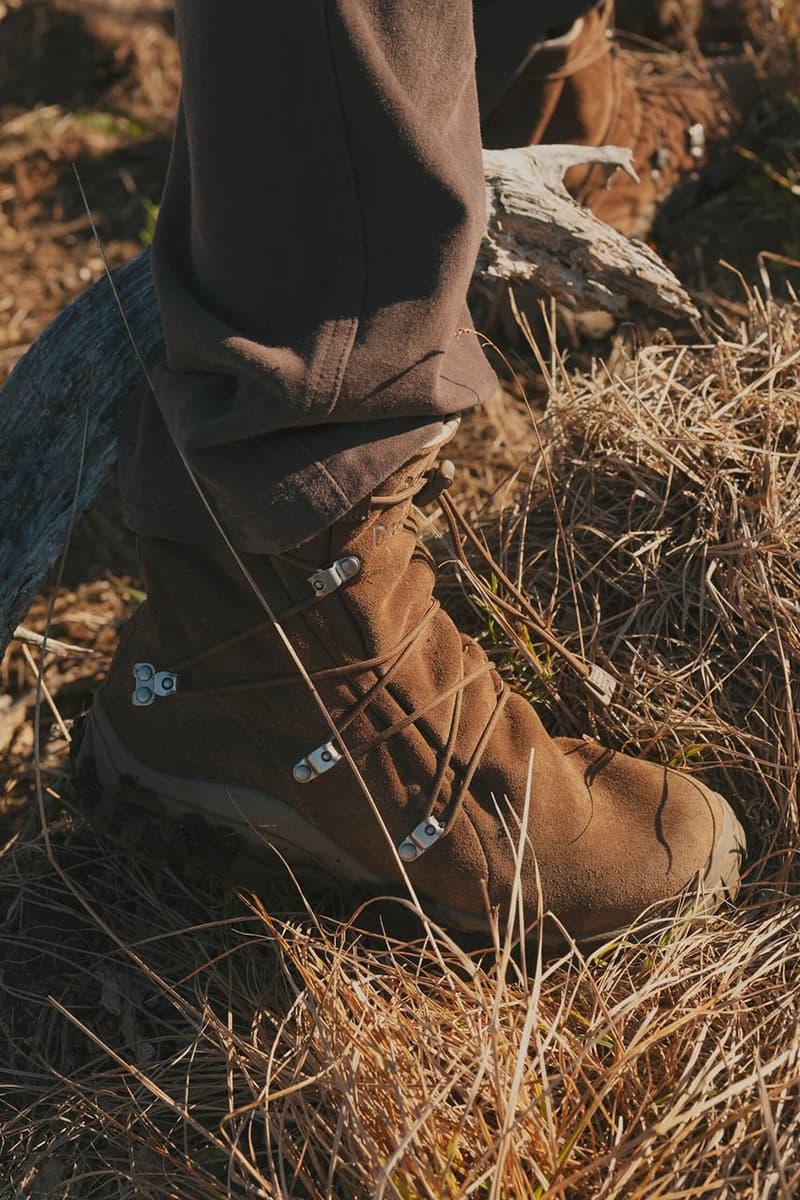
x=194, y=1050
x=658, y=531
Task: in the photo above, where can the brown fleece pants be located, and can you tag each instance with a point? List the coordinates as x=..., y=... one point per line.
x=320, y=222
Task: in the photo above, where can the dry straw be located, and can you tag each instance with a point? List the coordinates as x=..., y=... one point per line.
x=289, y=1050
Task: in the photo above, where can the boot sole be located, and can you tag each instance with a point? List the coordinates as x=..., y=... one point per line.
x=118, y=793
x=262, y=823
x=121, y=795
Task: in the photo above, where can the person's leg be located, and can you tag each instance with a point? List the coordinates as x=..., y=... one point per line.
x=311, y=266
x=576, y=87
x=318, y=232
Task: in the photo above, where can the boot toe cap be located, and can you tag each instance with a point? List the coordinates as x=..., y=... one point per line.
x=724, y=867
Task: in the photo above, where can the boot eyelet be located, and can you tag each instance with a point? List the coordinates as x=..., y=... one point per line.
x=323, y=759
x=426, y=834
x=697, y=140
x=328, y=579
x=151, y=683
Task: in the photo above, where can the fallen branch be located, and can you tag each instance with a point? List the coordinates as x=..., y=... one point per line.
x=29, y=637
x=536, y=234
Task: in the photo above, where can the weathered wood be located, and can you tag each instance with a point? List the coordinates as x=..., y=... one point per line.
x=536, y=234
x=82, y=357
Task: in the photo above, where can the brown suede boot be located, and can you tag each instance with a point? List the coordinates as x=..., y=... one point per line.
x=204, y=715
x=578, y=88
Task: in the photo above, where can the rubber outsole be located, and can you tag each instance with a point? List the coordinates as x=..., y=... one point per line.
x=236, y=834
x=241, y=836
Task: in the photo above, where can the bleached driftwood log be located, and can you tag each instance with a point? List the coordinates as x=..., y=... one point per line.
x=536, y=234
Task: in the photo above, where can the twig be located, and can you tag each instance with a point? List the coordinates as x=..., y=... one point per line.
x=59, y=649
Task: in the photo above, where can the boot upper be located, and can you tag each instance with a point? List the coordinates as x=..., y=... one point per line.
x=432, y=728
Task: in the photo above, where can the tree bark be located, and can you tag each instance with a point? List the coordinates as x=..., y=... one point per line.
x=78, y=372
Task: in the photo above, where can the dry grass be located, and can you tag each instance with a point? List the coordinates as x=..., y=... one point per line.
x=659, y=533
x=161, y=1041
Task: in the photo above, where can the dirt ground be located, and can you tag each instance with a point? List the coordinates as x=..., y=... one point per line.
x=92, y=86
x=89, y=84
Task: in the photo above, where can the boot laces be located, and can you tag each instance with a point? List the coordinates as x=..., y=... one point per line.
x=437, y=818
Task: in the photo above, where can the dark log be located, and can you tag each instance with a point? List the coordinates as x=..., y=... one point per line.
x=83, y=357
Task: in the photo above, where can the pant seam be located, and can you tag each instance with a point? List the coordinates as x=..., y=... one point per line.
x=349, y=326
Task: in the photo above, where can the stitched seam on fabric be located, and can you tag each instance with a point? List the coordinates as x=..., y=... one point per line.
x=351, y=324
x=315, y=464
x=325, y=471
